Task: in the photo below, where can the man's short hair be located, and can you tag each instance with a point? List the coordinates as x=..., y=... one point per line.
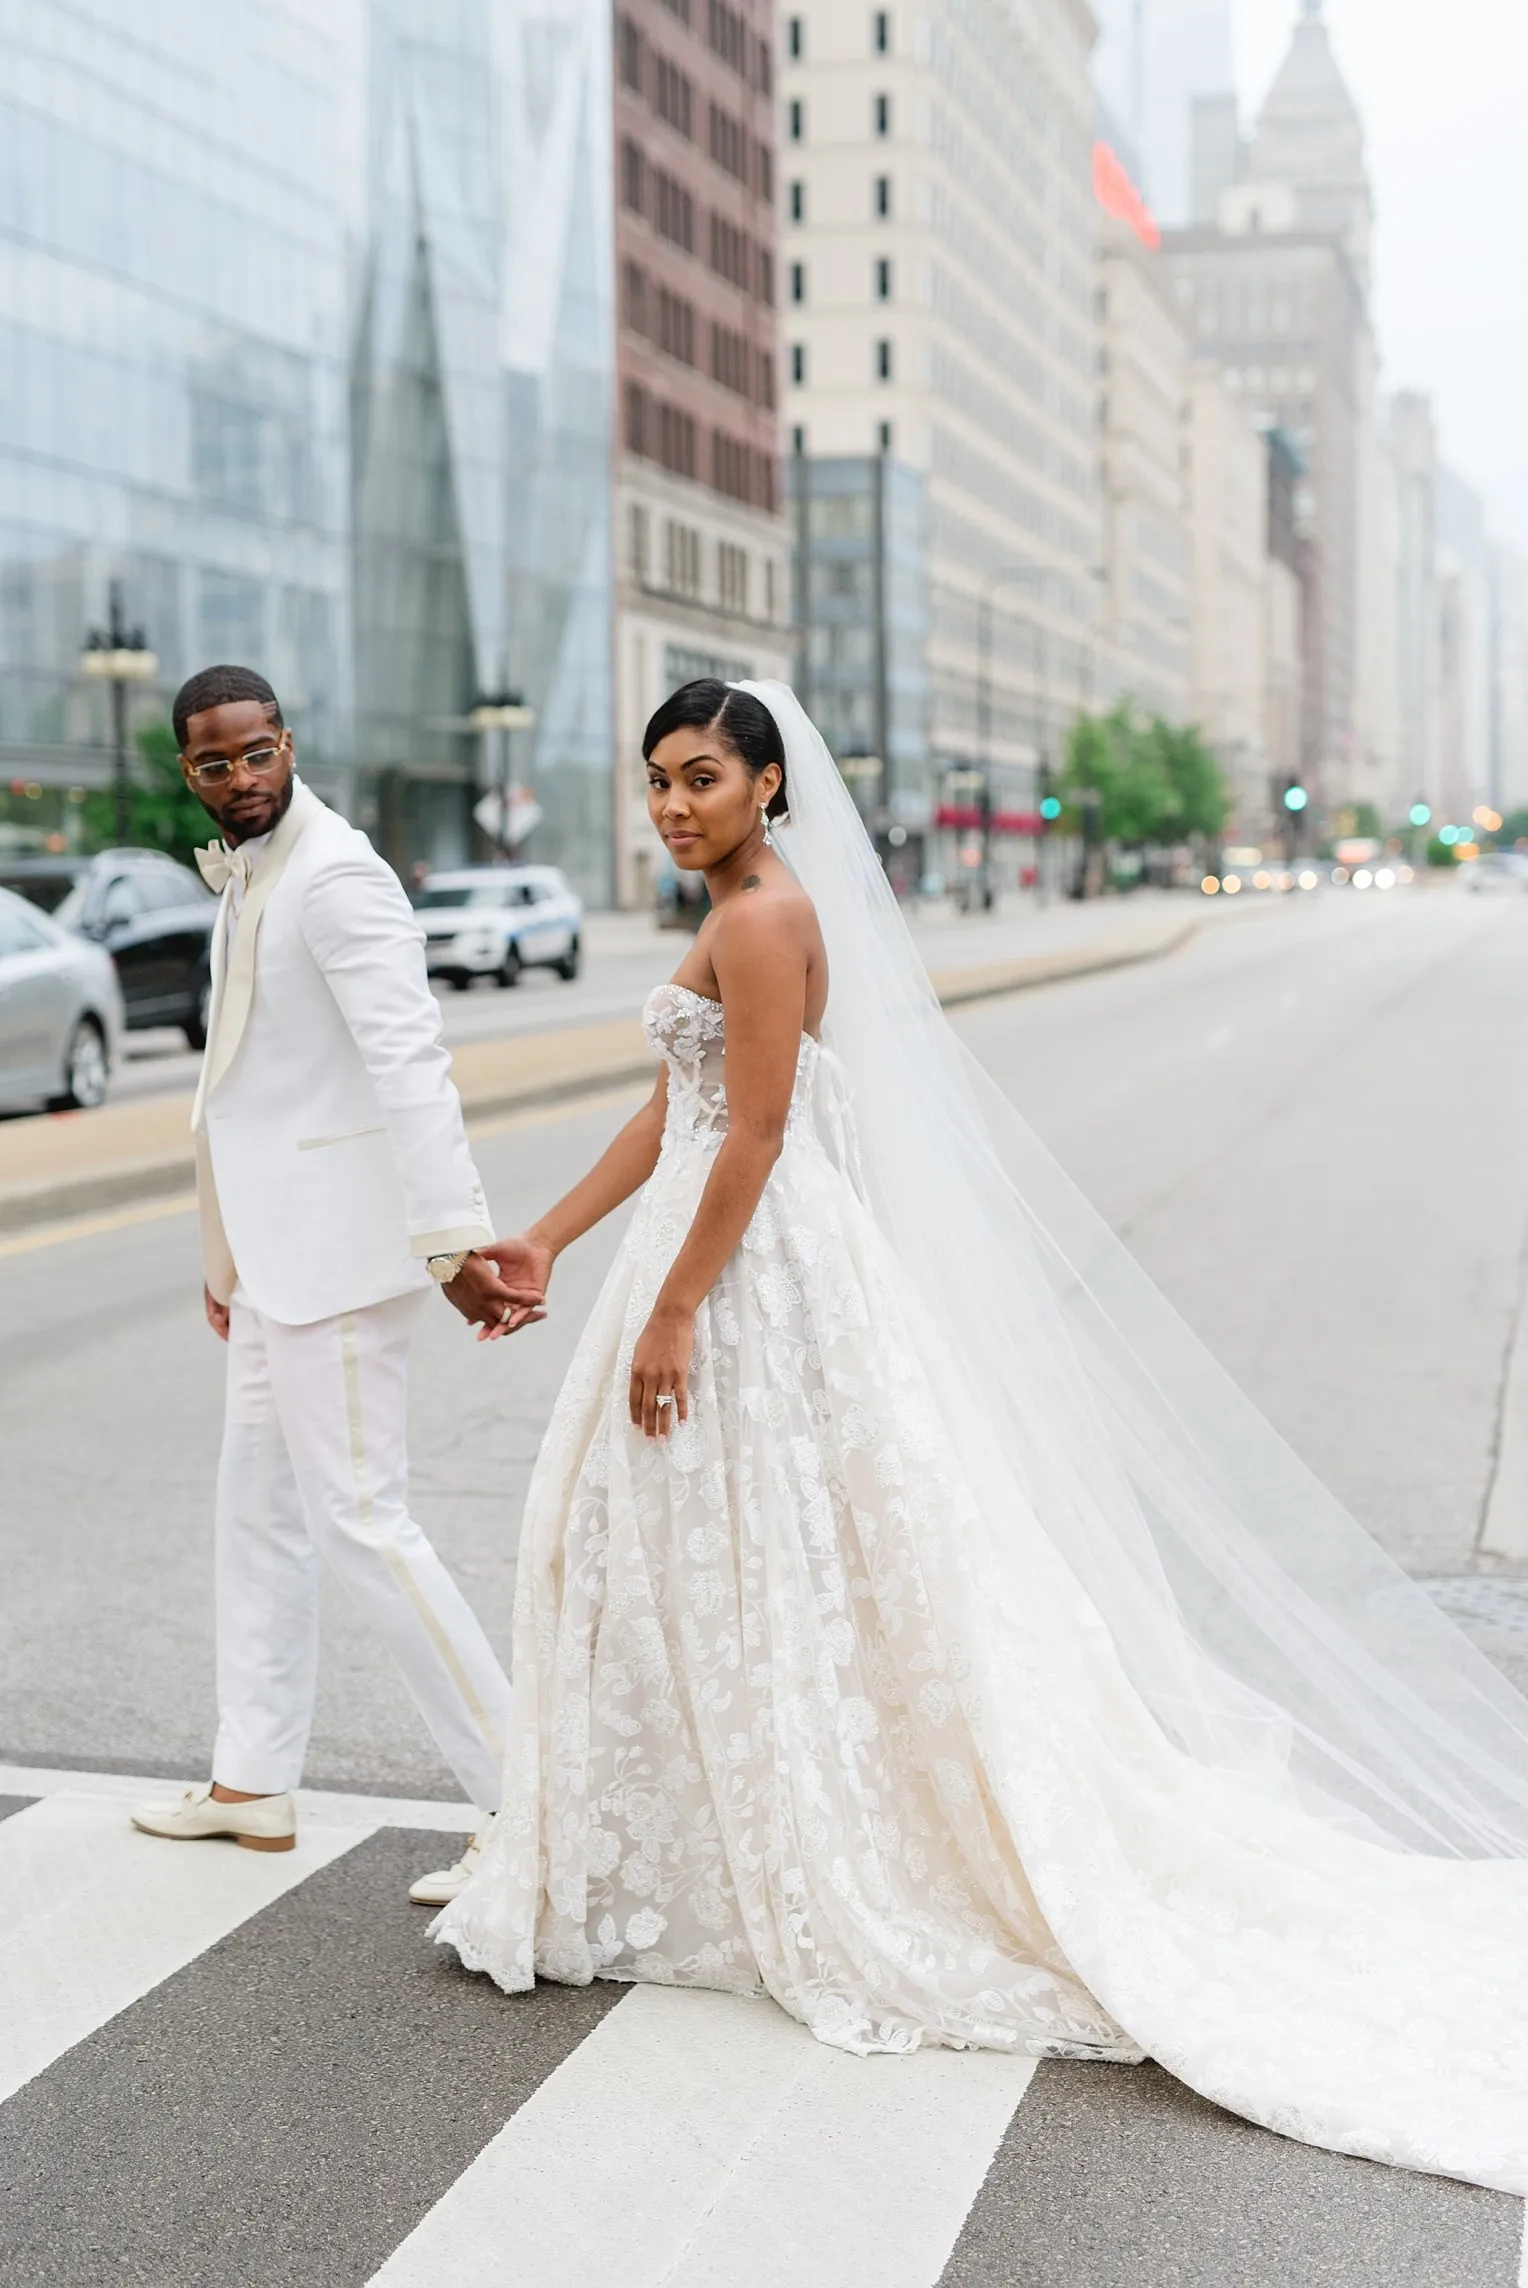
x=218, y=687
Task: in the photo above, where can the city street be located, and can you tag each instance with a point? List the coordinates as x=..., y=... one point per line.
x=217, y=2067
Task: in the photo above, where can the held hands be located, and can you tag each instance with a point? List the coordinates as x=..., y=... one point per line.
x=502, y=1287
x=661, y=1366
x=217, y=1314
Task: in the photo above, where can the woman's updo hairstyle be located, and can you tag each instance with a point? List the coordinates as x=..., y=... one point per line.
x=736, y=716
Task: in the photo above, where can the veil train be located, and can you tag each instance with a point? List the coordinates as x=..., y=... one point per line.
x=1269, y=1635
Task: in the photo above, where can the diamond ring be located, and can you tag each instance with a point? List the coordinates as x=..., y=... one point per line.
x=664, y=1398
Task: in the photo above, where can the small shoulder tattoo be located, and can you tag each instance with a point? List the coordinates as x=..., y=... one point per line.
x=753, y=881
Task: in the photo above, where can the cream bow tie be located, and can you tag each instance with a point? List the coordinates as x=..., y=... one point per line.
x=219, y=866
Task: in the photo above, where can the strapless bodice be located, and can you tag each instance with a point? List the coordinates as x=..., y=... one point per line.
x=688, y=1030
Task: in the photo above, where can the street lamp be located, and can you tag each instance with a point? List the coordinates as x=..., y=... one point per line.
x=503, y=711
x=119, y=655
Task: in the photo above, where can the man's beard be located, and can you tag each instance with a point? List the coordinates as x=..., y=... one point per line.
x=231, y=830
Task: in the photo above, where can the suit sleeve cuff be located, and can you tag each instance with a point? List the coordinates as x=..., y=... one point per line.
x=427, y=1243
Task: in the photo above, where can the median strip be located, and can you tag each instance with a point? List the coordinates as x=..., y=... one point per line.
x=57, y=1165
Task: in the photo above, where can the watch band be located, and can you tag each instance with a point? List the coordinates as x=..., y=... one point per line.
x=443, y=1268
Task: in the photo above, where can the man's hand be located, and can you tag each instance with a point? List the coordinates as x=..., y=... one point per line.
x=217, y=1314
x=493, y=1305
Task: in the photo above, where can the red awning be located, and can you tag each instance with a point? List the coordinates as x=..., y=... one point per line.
x=965, y=818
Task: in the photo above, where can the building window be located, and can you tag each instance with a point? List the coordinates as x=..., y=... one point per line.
x=881, y=196
x=766, y=380
x=798, y=202
x=880, y=32
x=731, y=357
x=883, y=360
x=770, y=578
x=729, y=143
x=629, y=53
x=764, y=169
x=634, y=296
x=731, y=466
x=798, y=364
x=681, y=558
x=795, y=39
x=677, y=441
x=796, y=120
x=732, y=577
x=675, y=330
x=638, y=418
x=766, y=275
x=680, y=10
x=798, y=440
x=727, y=35
x=673, y=210
x=883, y=437
x=633, y=177
x=882, y=114
x=883, y=279
x=798, y=281
x=673, y=97
x=639, y=530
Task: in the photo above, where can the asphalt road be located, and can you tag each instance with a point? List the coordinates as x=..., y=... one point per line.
x=1313, y=1128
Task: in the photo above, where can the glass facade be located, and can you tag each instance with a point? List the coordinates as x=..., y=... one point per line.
x=305, y=336
x=861, y=611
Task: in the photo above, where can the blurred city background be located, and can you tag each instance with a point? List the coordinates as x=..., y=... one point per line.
x=1005, y=373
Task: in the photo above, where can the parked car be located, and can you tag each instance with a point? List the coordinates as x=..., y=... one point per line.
x=494, y=921
x=60, y=1013
x=153, y=917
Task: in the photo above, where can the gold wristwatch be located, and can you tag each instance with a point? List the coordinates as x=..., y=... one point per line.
x=443, y=1268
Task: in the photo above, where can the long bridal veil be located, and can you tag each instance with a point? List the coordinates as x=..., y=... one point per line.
x=1270, y=1636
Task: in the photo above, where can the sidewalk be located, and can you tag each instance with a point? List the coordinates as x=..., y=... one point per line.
x=57, y=1165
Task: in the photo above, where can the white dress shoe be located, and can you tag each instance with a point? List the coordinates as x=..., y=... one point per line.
x=269, y=1823
x=439, y=1889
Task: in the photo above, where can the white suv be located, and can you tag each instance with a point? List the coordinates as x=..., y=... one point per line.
x=494, y=921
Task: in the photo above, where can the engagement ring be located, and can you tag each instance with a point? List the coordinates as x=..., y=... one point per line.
x=664, y=1398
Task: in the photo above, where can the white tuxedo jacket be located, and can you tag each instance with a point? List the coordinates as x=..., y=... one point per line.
x=331, y=1152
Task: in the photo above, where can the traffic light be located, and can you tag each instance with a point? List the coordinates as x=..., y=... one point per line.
x=1050, y=808
x=1295, y=796
x=1421, y=814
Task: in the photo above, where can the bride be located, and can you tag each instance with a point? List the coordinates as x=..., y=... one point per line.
x=914, y=1625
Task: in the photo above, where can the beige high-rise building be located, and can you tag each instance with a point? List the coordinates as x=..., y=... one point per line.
x=1233, y=621
x=938, y=275
x=1277, y=294
x=1143, y=378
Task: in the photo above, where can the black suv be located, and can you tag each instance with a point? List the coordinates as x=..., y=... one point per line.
x=153, y=917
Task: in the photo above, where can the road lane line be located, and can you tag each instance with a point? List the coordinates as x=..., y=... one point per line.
x=731, y=2147
x=96, y=1914
x=183, y=1203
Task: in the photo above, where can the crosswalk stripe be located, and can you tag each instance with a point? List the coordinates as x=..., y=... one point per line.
x=97, y=1914
x=701, y=2140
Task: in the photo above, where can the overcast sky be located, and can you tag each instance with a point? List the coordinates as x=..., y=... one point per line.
x=1443, y=89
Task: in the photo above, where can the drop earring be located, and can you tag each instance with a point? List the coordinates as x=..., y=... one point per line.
x=769, y=840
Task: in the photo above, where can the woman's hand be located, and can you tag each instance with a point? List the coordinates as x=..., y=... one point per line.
x=661, y=1366
x=502, y=1287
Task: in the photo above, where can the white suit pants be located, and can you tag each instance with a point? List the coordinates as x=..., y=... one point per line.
x=314, y=1463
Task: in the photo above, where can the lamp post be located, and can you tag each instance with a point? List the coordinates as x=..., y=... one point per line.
x=504, y=711
x=119, y=655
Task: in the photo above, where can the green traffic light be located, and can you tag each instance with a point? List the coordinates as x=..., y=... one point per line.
x=1295, y=798
x=1420, y=814
x=1050, y=808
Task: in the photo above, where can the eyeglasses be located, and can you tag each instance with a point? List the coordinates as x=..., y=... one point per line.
x=213, y=770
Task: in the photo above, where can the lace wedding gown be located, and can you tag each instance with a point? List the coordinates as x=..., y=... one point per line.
x=782, y=1724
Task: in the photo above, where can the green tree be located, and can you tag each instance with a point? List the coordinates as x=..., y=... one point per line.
x=1200, y=798
x=164, y=814
x=1110, y=757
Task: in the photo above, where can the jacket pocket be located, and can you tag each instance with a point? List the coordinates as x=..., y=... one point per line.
x=346, y=1136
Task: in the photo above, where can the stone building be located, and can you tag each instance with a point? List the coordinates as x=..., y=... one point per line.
x=701, y=534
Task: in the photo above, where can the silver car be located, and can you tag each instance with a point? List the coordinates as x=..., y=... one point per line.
x=60, y=1013
x=494, y=921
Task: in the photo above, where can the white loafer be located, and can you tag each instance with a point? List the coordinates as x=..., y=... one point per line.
x=269, y=1823
x=439, y=1889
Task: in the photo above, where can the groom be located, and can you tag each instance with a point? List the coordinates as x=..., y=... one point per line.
x=335, y=1184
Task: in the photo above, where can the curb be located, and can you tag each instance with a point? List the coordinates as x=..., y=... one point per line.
x=169, y=1175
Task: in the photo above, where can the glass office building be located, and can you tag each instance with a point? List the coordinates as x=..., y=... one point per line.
x=305, y=337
